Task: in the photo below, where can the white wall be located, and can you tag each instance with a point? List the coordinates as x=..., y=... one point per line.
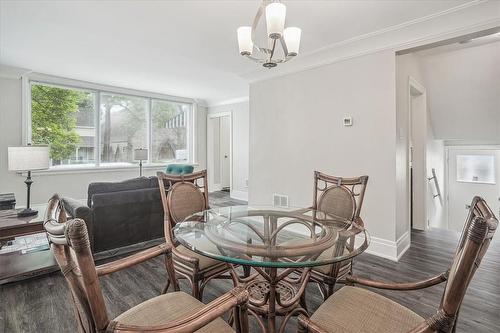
x=73, y=184
x=296, y=128
x=464, y=85
x=240, y=145
x=436, y=209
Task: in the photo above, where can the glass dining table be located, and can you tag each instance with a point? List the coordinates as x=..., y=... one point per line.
x=280, y=244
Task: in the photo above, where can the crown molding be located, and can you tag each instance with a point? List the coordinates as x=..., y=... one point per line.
x=464, y=19
x=230, y=101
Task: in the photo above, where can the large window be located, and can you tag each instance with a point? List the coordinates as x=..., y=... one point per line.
x=92, y=127
x=64, y=119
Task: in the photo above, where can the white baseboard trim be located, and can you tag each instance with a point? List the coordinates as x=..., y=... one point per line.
x=403, y=244
x=239, y=195
x=392, y=250
x=216, y=187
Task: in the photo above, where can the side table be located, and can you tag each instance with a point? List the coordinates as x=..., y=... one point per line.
x=17, y=265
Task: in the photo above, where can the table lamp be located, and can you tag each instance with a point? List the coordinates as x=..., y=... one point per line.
x=28, y=158
x=140, y=154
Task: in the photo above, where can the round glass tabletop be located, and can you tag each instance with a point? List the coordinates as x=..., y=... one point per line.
x=272, y=236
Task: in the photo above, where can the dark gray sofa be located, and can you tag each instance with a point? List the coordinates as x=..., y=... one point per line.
x=121, y=214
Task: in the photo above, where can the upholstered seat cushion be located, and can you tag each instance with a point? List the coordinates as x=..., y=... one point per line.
x=357, y=310
x=204, y=262
x=325, y=269
x=166, y=308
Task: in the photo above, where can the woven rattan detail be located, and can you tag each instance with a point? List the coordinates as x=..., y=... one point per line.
x=186, y=199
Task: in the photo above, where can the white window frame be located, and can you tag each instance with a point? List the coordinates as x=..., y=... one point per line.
x=30, y=78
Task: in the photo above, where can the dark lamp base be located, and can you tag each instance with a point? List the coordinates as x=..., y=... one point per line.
x=27, y=212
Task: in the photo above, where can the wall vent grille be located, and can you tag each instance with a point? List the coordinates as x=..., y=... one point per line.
x=280, y=200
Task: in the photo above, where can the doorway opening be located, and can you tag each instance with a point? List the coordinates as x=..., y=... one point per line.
x=447, y=125
x=219, y=151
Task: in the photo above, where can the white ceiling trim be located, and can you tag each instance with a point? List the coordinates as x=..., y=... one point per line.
x=398, y=37
x=231, y=101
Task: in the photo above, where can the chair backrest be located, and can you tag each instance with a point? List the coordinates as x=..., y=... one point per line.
x=339, y=196
x=476, y=236
x=69, y=242
x=182, y=196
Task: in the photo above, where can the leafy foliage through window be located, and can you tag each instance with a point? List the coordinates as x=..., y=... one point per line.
x=65, y=118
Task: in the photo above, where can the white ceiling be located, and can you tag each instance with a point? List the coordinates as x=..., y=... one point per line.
x=185, y=48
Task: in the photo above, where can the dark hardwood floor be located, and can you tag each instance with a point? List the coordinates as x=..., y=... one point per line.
x=43, y=305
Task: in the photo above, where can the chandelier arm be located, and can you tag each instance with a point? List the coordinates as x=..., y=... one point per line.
x=283, y=45
x=272, y=51
x=260, y=61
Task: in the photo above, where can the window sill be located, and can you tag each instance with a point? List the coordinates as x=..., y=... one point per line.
x=83, y=170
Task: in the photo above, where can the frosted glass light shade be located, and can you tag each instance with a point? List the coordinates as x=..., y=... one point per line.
x=28, y=158
x=291, y=36
x=245, y=42
x=140, y=154
x=275, y=19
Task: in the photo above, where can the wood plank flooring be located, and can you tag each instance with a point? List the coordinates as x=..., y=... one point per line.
x=42, y=304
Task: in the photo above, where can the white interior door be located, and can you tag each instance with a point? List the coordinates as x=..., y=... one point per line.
x=471, y=172
x=225, y=151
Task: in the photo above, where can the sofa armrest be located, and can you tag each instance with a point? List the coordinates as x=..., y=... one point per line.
x=77, y=209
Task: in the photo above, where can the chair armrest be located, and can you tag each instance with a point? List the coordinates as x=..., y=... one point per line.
x=399, y=286
x=131, y=260
x=235, y=297
x=306, y=325
x=185, y=258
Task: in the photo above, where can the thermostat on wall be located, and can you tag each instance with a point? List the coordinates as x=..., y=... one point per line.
x=347, y=121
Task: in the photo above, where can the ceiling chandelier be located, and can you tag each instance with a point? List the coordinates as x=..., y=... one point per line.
x=288, y=38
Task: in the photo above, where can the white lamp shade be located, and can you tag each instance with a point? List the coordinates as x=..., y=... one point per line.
x=245, y=42
x=140, y=154
x=275, y=19
x=291, y=36
x=28, y=158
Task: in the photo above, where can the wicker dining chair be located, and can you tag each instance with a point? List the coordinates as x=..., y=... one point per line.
x=341, y=197
x=174, y=312
x=353, y=309
x=182, y=196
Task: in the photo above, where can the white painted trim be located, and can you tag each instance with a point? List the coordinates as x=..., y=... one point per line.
x=392, y=250
x=57, y=80
x=395, y=27
x=239, y=195
x=403, y=244
x=11, y=72
x=230, y=101
x=216, y=187
x=325, y=56
x=382, y=248
x=64, y=171
x=25, y=109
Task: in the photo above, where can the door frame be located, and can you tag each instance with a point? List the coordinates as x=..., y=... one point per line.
x=219, y=115
x=415, y=89
x=447, y=170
